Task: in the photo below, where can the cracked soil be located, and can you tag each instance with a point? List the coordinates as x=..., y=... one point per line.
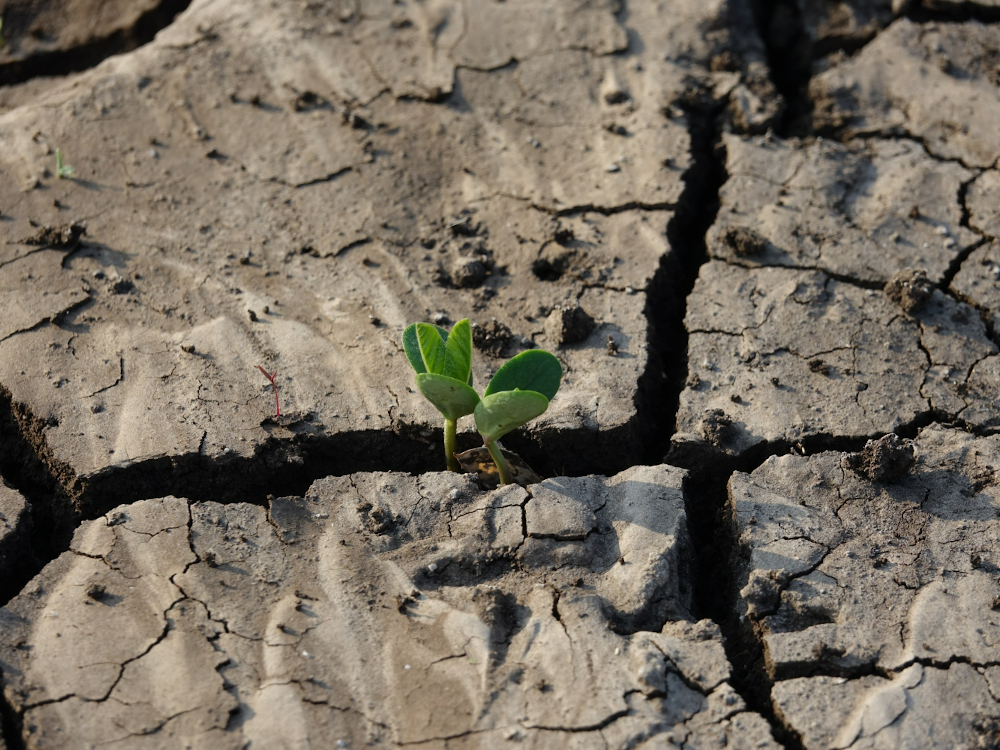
x=762, y=238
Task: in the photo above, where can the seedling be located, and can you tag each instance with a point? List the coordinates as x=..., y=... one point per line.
x=443, y=363
x=277, y=406
x=63, y=171
x=519, y=391
x=1, y=33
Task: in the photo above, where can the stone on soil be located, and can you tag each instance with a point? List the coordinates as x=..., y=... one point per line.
x=380, y=608
x=888, y=589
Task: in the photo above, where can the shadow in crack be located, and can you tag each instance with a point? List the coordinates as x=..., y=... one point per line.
x=38, y=27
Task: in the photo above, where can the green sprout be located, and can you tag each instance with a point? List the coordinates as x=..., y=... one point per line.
x=63, y=171
x=443, y=362
x=519, y=391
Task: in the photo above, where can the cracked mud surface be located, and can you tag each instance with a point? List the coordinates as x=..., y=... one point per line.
x=760, y=237
x=355, y=611
x=793, y=356
x=895, y=583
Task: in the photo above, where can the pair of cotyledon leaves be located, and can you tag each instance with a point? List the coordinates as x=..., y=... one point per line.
x=519, y=391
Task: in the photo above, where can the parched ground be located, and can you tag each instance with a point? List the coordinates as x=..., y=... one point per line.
x=761, y=238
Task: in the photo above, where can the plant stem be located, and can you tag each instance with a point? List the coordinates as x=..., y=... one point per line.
x=497, y=455
x=449, y=445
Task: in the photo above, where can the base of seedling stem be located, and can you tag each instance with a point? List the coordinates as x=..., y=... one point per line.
x=450, y=444
x=501, y=463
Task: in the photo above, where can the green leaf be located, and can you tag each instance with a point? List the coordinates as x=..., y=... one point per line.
x=433, y=349
x=412, y=348
x=498, y=414
x=533, y=370
x=440, y=356
x=459, y=346
x=453, y=398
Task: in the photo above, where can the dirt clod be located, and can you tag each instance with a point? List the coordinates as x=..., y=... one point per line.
x=819, y=366
x=745, y=242
x=468, y=273
x=491, y=338
x=569, y=324
x=884, y=460
x=910, y=289
x=715, y=426
x=96, y=592
x=61, y=237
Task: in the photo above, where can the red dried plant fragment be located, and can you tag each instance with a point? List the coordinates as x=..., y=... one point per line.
x=277, y=406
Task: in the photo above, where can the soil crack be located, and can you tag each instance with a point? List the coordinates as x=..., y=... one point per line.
x=93, y=51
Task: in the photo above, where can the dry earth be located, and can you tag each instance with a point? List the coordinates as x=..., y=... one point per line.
x=760, y=236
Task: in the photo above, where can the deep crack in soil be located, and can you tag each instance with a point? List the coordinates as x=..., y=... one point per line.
x=289, y=467
x=88, y=54
x=10, y=725
x=711, y=537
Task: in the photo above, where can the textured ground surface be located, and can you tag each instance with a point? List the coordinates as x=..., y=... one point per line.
x=384, y=609
x=779, y=222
